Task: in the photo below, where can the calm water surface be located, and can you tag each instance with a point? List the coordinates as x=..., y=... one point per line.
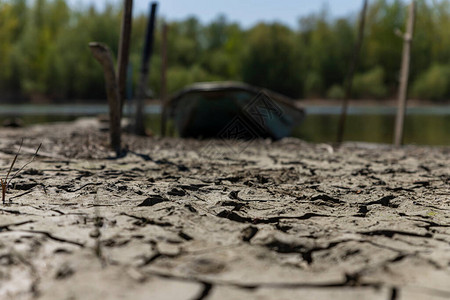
x=423, y=125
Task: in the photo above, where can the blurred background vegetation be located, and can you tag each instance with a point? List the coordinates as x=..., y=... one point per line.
x=44, y=53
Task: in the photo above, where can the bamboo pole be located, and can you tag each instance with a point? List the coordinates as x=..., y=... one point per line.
x=403, y=88
x=124, y=51
x=164, y=80
x=146, y=55
x=351, y=72
x=103, y=55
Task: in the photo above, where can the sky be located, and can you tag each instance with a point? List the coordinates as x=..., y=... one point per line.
x=245, y=12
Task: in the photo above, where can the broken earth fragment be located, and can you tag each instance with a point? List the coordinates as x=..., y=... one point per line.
x=153, y=200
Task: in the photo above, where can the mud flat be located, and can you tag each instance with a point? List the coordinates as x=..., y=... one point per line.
x=185, y=219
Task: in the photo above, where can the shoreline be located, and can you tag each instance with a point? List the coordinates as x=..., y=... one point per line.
x=390, y=102
x=189, y=219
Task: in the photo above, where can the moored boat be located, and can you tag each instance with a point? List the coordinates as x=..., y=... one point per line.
x=233, y=110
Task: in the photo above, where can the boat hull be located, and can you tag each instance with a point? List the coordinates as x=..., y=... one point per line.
x=233, y=111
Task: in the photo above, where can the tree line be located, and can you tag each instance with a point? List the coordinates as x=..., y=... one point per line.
x=44, y=52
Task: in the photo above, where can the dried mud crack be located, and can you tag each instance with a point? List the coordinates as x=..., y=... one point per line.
x=168, y=220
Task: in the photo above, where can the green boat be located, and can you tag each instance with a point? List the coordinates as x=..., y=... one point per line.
x=232, y=110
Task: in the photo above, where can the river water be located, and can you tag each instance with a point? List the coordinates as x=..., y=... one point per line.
x=429, y=125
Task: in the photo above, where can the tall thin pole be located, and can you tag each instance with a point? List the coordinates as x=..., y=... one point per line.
x=124, y=51
x=351, y=72
x=164, y=80
x=403, y=89
x=103, y=55
x=146, y=55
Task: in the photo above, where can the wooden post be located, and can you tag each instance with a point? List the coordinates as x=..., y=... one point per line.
x=351, y=72
x=163, y=93
x=404, y=76
x=146, y=55
x=124, y=50
x=103, y=55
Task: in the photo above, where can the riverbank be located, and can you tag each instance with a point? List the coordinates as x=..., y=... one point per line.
x=424, y=125
x=302, y=102
x=187, y=219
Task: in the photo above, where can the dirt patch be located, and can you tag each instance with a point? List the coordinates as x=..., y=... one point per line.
x=187, y=219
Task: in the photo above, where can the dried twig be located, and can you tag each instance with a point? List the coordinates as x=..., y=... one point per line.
x=14, y=161
x=103, y=55
x=5, y=182
x=25, y=165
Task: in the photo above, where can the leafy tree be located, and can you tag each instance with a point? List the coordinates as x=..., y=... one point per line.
x=381, y=46
x=44, y=53
x=434, y=84
x=271, y=59
x=9, y=25
x=370, y=84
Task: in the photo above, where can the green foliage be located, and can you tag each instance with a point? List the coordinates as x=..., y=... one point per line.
x=434, y=84
x=271, y=60
x=336, y=92
x=44, y=52
x=8, y=25
x=49, y=55
x=313, y=85
x=381, y=46
x=370, y=84
x=327, y=49
x=180, y=77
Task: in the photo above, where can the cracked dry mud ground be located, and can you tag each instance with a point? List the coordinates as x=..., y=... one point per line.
x=184, y=219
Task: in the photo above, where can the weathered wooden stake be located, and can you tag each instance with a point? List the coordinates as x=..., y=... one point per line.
x=404, y=76
x=163, y=93
x=124, y=50
x=146, y=55
x=351, y=72
x=103, y=55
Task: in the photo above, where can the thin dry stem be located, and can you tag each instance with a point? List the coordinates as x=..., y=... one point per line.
x=13, y=162
x=5, y=182
x=25, y=165
x=3, y=190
